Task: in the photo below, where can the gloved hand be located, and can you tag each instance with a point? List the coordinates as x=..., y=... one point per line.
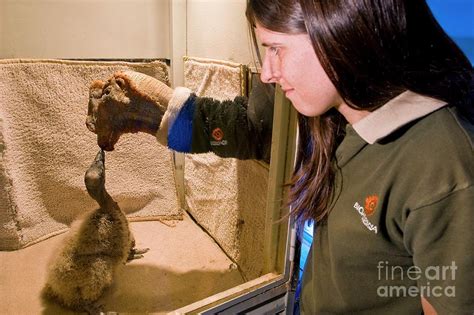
x=128, y=102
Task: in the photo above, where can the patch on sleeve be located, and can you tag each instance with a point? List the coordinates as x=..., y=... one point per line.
x=218, y=136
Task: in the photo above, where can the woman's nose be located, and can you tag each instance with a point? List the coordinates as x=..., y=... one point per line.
x=269, y=73
x=266, y=74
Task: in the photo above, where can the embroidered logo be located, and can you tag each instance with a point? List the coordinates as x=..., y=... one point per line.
x=368, y=210
x=370, y=205
x=218, y=135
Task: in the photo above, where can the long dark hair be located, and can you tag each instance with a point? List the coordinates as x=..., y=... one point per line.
x=372, y=50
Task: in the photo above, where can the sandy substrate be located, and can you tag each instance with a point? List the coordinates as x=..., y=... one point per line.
x=183, y=265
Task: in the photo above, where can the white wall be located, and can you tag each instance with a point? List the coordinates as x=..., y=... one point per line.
x=2, y=10
x=84, y=29
x=121, y=29
x=217, y=29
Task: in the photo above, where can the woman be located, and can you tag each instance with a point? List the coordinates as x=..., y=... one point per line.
x=385, y=158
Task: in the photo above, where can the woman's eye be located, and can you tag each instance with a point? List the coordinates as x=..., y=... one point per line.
x=274, y=50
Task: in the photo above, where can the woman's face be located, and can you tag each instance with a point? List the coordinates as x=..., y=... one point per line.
x=290, y=61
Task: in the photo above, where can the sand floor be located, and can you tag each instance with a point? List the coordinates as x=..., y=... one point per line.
x=184, y=265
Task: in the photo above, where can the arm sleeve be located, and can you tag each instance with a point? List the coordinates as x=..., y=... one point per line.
x=239, y=128
x=440, y=236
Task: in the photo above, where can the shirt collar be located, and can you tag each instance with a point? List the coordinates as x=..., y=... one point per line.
x=396, y=113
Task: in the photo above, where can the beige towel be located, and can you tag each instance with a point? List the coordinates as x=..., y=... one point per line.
x=226, y=196
x=45, y=149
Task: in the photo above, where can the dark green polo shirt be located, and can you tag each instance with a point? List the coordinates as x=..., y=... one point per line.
x=403, y=222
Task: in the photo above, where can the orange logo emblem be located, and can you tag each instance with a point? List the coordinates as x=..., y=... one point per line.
x=217, y=134
x=370, y=205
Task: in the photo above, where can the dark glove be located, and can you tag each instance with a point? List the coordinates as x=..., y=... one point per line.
x=241, y=128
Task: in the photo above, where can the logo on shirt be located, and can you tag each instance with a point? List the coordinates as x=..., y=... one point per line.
x=366, y=211
x=370, y=205
x=217, y=134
